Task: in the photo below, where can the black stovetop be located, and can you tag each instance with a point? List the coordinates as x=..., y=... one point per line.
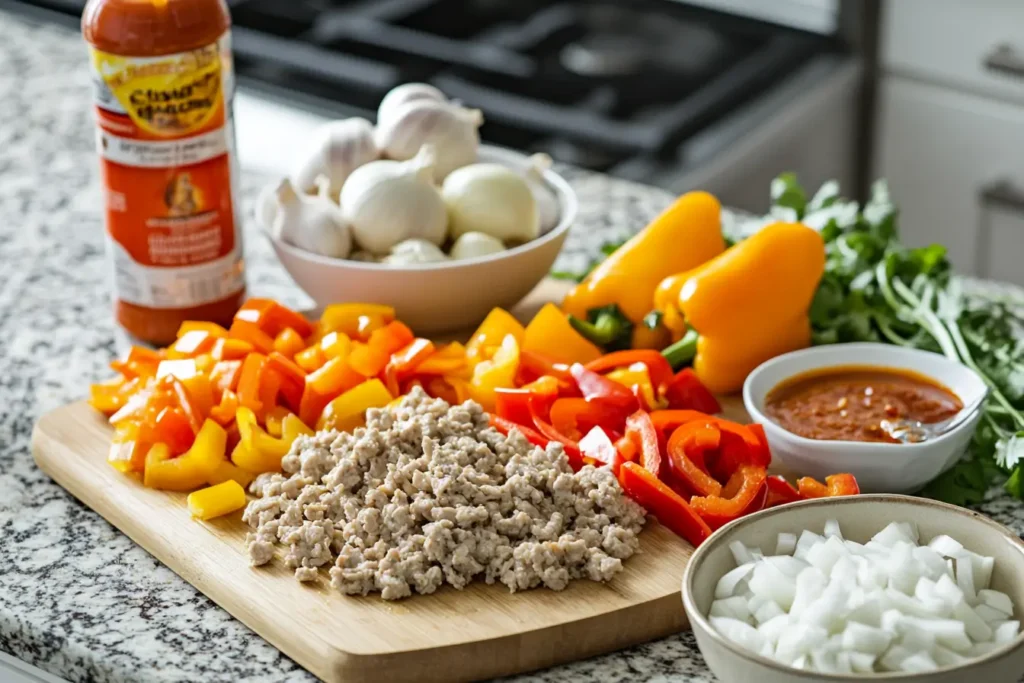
x=592, y=82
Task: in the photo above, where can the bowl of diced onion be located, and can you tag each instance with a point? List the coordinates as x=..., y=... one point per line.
x=862, y=587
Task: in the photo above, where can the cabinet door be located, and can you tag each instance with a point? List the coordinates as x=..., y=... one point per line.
x=976, y=45
x=941, y=151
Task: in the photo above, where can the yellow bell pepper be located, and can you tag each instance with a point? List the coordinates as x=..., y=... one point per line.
x=492, y=331
x=551, y=334
x=258, y=451
x=685, y=235
x=750, y=303
x=646, y=338
x=346, y=317
x=226, y=471
x=637, y=375
x=191, y=469
x=497, y=373
x=348, y=411
x=217, y=500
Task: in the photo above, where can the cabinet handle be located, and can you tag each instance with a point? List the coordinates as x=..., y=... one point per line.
x=1004, y=60
x=1004, y=194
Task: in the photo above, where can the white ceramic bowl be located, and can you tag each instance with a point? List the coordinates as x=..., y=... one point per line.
x=438, y=297
x=879, y=467
x=860, y=517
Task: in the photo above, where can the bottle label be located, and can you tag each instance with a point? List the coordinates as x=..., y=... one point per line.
x=165, y=136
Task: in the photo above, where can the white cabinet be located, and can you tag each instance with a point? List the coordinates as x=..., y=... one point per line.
x=950, y=128
x=943, y=152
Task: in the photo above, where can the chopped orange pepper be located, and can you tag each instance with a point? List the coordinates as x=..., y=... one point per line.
x=348, y=411
x=231, y=349
x=190, y=470
x=275, y=420
x=249, y=382
x=442, y=365
x=492, y=331
x=191, y=344
x=251, y=332
x=334, y=344
x=212, y=329
x=215, y=501
x=171, y=427
x=288, y=342
x=182, y=368
x=109, y=397
x=551, y=334
x=335, y=377
x=406, y=359
x=272, y=317
x=200, y=393
x=127, y=452
x=345, y=317
x=224, y=376
x=224, y=412
x=368, y=324
x=311, y=359
x=292, y=379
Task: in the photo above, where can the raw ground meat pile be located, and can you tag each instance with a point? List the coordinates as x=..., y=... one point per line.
x=428, y=493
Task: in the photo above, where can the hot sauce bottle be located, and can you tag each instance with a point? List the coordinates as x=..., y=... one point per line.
x=163, y=84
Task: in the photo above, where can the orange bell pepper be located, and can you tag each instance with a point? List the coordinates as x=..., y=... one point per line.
x=492, y=331
x=311, y=359
x=345, y=317
x=231, y=349
x=685, y=235
x=292, y=378
x=127, y=451
x=190, y=470
x=332, y=379
x=224, y=412
x=171, y=427
x=111, y=396
x=288, y=342
x=498, y=372
x=221, y=499
x=274, y=420
x=334, y=344
x=405, y=360
x=212, y=329
x=550, y=334
x=250, y=332
x=249, y=381
x=371, y=358
x=191, y=344
x=272, y=317
x=224, y=376
x=348, y=411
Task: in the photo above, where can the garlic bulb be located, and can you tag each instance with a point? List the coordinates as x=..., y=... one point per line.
x=310, y=222
x=265, y=210
x=473, y=244
x=451, y=129
x=414, y=251
x=492, y=199
x=339, y=147
x=547, y=203
x=407, y=92
x=386, y=202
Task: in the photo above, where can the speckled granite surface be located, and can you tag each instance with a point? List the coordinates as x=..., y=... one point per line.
x=78, y=598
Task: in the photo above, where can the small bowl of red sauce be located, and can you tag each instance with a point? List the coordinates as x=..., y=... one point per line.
x=823, y=410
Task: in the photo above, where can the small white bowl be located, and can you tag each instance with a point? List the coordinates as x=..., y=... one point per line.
x=438, y=297
x=879, y=467
x=859, y=517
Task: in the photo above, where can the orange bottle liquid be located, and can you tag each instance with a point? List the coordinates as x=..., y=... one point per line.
x=164, y=82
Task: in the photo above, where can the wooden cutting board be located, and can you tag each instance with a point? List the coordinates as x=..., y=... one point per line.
x=480, y=632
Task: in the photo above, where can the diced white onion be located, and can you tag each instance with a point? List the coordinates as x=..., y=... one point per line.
x=832, y=529
x=786, y=544
x=996, y=600
x=740, y=553
x=1005, y=631
x=919, y=662
x=726, y=587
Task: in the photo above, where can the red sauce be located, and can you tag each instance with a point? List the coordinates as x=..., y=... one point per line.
x=848, y=403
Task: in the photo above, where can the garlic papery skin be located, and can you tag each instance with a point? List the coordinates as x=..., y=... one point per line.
x=492, y=199
x=406, y=92
x=473, y=244
x=548, y=211
x=338, y=148
x=451, y=129
x=387, y=202
x=310, y=222
x=414, y=251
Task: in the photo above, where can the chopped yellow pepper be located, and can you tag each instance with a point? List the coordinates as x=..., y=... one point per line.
x=497, y=373
x=258, y=451
x=348, y=411
x=492, y=331
x=227, y=470
x=346, y=317
x=551, y=334
x=637, y=375
x=217, y=500
x=193, y=468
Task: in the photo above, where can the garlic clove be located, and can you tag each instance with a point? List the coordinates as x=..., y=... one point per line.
x=338, y=148
x=414, y=251
x=548, y=211
x=492, y=199
x=387, y=202
x=407, y=92
x=473, y=244
x=323, y=189
x=265, y=210
x=310, y=222
x=451, y=129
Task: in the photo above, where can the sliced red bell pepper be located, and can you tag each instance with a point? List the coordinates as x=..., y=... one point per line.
x=780, y=491
x=842, y=485
x=666, y=421
x=669, y=507
x=573, y=417
x=641, y=430
x=743, y=493
x=513, y=404
x=687, y=449
x=597, y=449
x=504, y=426
x=627, y=448
x=572, y=448
x=764, y=456
x=657, y=366
x=685, y=391
x=595, y=387
x=810, y=487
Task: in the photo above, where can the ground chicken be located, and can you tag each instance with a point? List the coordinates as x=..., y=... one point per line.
x=429, y=494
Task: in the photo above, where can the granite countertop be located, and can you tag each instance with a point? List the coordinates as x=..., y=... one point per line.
x=78, y=598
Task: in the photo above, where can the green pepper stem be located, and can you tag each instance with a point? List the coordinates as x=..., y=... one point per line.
x=682, y=351
x=603, y=331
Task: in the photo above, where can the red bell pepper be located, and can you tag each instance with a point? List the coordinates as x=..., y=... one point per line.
x=514, y=404
x=505, y=426
x=595, y=387
x=685, y=391
x=534, y=364
x=687, y=450
x=597, y=449
x=572, y=448
x=641, y=431
x=575, y=416
x=780, y=491
x=745, y=492
x=810, y=487
x=657, y=365
x=668, y=420
x=765, y=454
x=669, y=507
x=842, y=485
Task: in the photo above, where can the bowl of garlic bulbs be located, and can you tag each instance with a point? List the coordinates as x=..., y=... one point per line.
x=415, y=213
